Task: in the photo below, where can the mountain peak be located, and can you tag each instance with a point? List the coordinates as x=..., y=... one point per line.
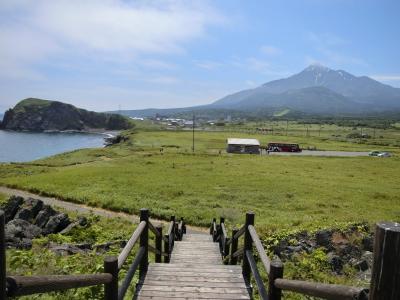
x=317, y=67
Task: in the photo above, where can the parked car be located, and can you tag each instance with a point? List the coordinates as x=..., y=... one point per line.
x=374, y=153
x=384, y=154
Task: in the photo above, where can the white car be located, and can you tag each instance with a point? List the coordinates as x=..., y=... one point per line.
x=384, y=154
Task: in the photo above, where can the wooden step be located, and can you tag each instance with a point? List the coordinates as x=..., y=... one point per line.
x=195, y=271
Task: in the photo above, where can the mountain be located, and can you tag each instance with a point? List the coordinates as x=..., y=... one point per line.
x=44, y=115
x=315, y=90
x=318, y=89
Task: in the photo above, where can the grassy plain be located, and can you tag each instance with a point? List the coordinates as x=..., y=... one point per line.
x=285, y=192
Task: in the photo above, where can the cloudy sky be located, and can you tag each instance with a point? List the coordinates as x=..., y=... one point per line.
x=112, y=54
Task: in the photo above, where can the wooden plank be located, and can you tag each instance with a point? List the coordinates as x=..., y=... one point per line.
x=192, y=265
x=208, y=270
x=163, y=294
x=194, y=274
x=195, y=283
x=173, y=277
x=193, y=289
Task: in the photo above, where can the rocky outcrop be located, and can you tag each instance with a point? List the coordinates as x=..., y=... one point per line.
x=352, y=247
x=27, y=219
x=44, y=115
x=30, y=218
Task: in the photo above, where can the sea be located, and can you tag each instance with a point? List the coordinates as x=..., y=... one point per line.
x=28, y=146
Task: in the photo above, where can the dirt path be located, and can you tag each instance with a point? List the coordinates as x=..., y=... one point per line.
x=81, y=208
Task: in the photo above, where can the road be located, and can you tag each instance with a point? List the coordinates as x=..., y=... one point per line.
x=322, y=153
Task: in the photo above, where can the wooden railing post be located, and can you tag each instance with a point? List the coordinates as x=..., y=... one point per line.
x=166, y=248
x=3, y=284
x=248, y=245
x=234, y=246
x=385, y=280
x=159, y=243
x=214, y=234
x=183, y=226
x=144, y=242
x=276, y=271
x=221, y=242
x=173, y=231
x=111, y=289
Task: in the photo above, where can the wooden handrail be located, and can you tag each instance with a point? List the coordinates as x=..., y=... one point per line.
x=130, y=244
x=131, y=272
x=171, y=227
x=260, y=249
x=240, y=232
x=257, y=277
x=322, y=290
x=28, y=285
x=238, y=253
x=154, y=230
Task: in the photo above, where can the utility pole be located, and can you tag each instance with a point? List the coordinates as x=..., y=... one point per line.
x=193, y=133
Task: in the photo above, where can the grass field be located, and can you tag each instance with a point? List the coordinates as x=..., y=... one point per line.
x=285, y=192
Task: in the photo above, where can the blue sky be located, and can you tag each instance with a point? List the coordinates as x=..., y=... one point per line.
x=110, y=54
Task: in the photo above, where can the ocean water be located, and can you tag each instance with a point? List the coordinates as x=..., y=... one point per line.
x=27, y=146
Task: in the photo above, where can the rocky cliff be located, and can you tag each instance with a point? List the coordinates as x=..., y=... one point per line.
x=43, y=115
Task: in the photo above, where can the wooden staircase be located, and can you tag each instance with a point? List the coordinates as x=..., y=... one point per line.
x=195, y=271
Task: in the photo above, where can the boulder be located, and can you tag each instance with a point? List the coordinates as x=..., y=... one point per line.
x=361, y=265
x=44, y=215
x=65, y=249
x=11, y=207
x=56, y=224
x=82, y=221
x=323, y=238
x=335, y=262
x=367, y=243
x=21, y=229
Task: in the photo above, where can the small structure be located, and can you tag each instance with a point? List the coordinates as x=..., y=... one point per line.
x=250, y=146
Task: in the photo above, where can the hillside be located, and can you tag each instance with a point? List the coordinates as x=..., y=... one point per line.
x=44, y=115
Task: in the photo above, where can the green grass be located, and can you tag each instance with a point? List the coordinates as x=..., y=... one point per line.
x=285, y=192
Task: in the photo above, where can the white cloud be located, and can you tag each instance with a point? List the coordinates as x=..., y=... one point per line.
x=34, y=31
x=270, y=50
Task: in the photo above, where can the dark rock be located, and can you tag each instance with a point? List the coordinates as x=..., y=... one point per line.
x=361, y=265
x=280, y=247
x=11, y=207
x=367, y=243
x=69, y=228
x=23, y=214
x=82, y=221
x=349, y=251
x=35, y=205
x=84, y=246
x=294, y=249
x=335, y=262
x=323, y=238
x=21, y=229
x=56, y=224
x=44, y=215
x=65, y=249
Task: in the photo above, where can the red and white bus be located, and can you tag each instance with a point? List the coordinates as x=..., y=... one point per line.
x=283, y=147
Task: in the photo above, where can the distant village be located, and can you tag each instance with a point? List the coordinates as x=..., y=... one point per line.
x=181, y=123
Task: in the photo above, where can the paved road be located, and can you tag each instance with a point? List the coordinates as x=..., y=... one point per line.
x=81, y=208
x=322, y=153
